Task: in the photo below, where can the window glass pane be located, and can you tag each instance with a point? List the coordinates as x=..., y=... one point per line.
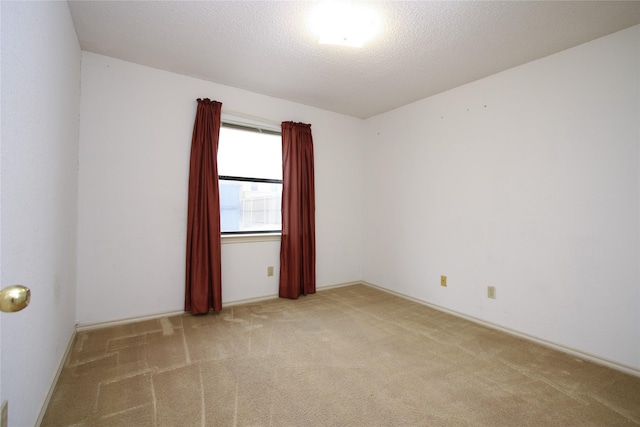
x=249, y=154
x=250, y=206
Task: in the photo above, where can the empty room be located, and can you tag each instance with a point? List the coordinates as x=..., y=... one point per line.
x=234, y=213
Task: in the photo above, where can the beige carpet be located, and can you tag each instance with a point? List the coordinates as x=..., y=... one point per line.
x=352, y=356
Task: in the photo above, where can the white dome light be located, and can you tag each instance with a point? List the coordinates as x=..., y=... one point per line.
x=345, y=24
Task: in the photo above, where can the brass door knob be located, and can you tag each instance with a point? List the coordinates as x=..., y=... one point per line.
x=14, y=298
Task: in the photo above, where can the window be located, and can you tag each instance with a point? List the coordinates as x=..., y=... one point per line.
x=250, y=179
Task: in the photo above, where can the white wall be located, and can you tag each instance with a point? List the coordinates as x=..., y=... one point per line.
x=135, y=136
x=40, y=106
x=528, y=181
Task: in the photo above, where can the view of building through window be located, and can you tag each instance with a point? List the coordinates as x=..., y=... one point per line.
x=250, y=178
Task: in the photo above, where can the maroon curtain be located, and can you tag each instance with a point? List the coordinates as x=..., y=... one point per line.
x=298, y=247
x=203, y=268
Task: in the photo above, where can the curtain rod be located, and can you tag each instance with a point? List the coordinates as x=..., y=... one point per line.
x=250, y=117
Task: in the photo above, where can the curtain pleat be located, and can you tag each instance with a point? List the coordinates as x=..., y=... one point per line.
x=298, y=246
x=203, y=291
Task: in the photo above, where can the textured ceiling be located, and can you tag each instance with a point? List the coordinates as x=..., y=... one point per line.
x=425, y=47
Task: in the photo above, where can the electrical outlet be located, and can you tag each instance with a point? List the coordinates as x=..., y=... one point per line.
x=443, y=281
x=491, y=292
x=270, y=270
x=4, y=414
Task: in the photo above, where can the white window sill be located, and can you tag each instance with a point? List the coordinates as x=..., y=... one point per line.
x=250, y=238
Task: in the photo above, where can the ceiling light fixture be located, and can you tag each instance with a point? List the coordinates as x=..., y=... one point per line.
x=345, y=24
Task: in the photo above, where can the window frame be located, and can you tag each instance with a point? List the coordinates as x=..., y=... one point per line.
x=256, y=233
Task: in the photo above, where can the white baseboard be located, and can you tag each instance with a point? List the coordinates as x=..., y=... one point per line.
x=98, y=325
x=560, y=347
x=275, y=296
x=339, y=285
x=54, y=382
